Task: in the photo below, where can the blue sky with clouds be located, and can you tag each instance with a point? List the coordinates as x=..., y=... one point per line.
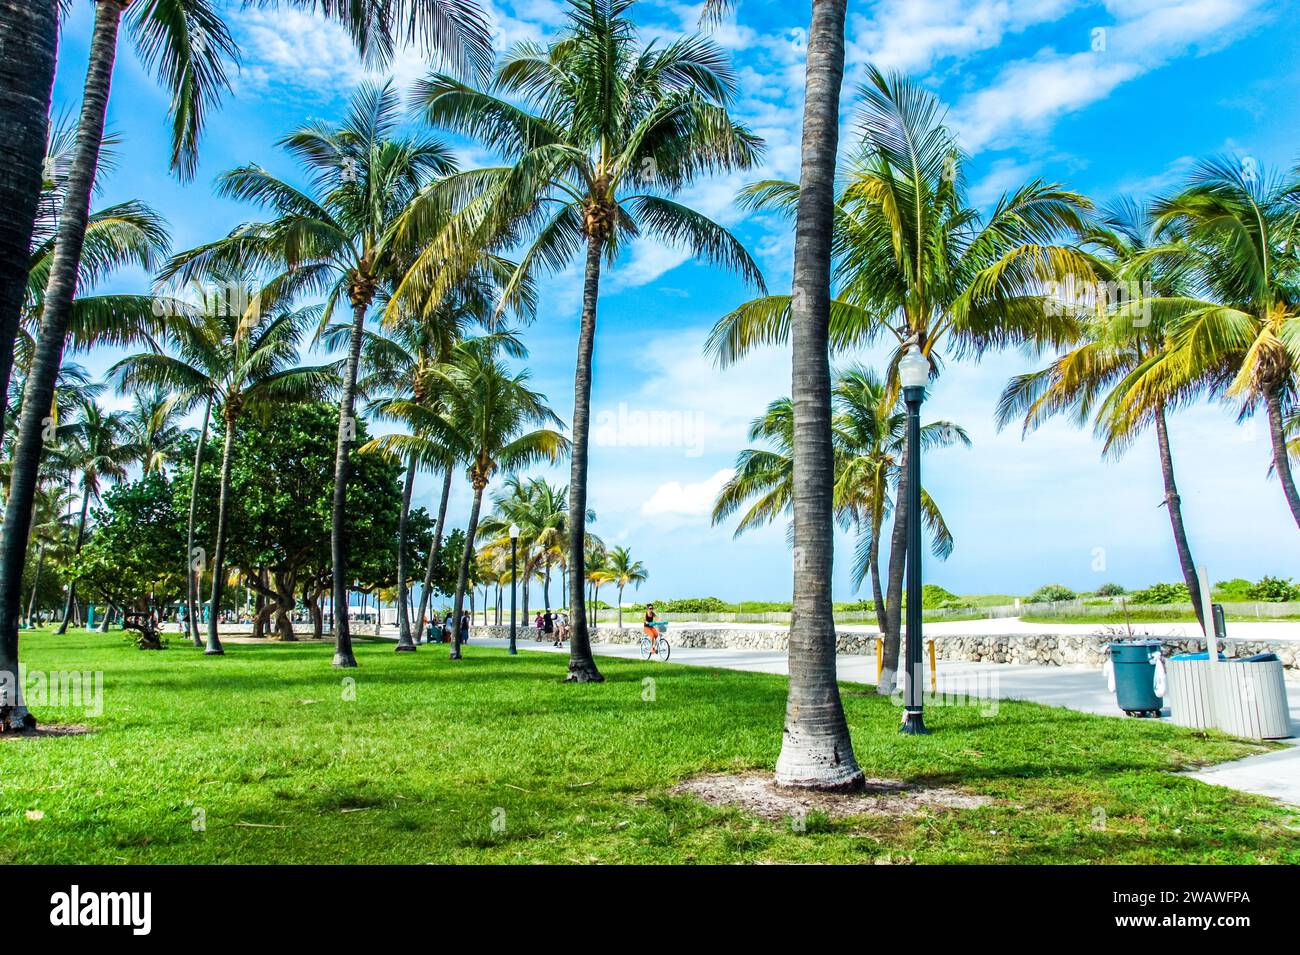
x=1106, y=97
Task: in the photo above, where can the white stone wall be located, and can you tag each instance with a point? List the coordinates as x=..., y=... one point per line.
x=1046, y=649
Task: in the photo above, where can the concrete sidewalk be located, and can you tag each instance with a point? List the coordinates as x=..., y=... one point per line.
x=1275, y=774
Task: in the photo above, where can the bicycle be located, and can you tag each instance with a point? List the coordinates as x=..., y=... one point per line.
x=659, y=647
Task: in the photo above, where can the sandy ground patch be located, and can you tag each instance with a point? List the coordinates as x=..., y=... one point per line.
x=757, y=793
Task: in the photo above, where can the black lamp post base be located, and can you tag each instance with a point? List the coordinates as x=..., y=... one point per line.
x=913, y=724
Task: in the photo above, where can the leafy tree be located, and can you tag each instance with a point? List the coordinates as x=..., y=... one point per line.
x=1277, y=589
x=279, y=509
x=1162, y=594
x=126, y=561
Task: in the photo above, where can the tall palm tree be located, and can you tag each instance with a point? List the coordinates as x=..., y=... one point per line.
x=1123, y=338
x=816, y=752
x=1239, y=325
x=915, y=264
x=235, y=353
x=344, y=241
x=51, y=529
x=488, y=409
x=595, y=563
x=608, y=130
x=28, y=37
x=622, y=570
x=98, y=450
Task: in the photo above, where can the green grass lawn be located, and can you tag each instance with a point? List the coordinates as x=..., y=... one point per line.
x=283, y=768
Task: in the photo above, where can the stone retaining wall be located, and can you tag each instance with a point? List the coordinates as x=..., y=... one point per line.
x=1040, y=649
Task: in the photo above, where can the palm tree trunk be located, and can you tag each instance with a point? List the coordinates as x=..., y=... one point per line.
x=194, y=571
x=1281, y=461
x=404, y=641
x=620, y=608
x=343, y=656
x=816, y=751
x=71, y=601
x=462, y=576
x=38, y=392
x=434, y=548
x=582, y=665
x=28, y=38
x=894, y=583
x=1175, y=507
x=36, y=583
x=213, y=647
x=873, y=560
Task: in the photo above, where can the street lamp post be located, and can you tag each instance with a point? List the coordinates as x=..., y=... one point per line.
x=514, y=548
x=914, y=373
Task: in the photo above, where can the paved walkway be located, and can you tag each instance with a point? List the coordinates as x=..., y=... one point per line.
x=1275, y=774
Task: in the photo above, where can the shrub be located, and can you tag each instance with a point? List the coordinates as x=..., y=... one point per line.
x=1111, y=590
x=1276, y=589
x=693, y=605
x=1236, y=589
x=1162, y=594
x=1051, y=593
x=933, y=597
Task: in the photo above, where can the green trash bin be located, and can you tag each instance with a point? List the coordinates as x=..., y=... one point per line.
x=1136, y=667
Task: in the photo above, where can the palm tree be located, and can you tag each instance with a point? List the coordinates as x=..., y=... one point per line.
x=816, y=751
x=28, y=36
x=623, y=570
x=868, y=431
x=98, y=450
x=595, y=562
x=609, y=129
x=488, y=409
x=1239, y=324
x=235, y=353
x=348, y=241
x=51, y=528
x=398, y=367
x=915, y=264
x=1123, y=338
x=154, y=424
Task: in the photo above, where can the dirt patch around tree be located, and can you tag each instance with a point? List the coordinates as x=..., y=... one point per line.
x=758, y=793
x=48, y=732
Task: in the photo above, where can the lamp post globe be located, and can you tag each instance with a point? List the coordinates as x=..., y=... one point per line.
x=514, y=547
x=913, y=374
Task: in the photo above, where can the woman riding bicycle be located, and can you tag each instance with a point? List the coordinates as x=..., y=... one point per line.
x=649, y=629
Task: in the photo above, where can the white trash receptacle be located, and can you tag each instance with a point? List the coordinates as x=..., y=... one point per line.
x=1250, y=698
x=1189, y=690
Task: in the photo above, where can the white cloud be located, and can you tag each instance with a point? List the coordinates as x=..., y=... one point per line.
x=1028, y=95
x=689, y=499
x=912, y=35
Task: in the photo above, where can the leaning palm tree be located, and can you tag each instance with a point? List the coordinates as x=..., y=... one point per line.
x=344, y=241
x=622, y=570
x=488, y=409
x=234, y=353
x=608, y=130
x=99, y=450
x=1124, y=337
x=1239, y=325
x=915, y=264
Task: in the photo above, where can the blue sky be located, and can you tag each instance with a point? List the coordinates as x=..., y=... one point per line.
x=1108, y=98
